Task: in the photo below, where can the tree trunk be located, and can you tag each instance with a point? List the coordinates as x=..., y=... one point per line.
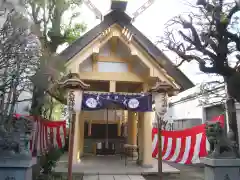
x=232, y=118
x=36, y=107
x=231, y=115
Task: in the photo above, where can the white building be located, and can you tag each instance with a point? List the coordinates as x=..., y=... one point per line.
x=195, y=106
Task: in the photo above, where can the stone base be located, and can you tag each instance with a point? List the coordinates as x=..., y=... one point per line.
x=132, y=154
x=16, y=168
x=221, y=169
x=147, y=165
x=139, y=162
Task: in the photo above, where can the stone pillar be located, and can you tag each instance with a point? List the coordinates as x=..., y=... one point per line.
x=221, y=169
x=76, y=139
x=132, y=128
x=16, y=168
x=147, y=140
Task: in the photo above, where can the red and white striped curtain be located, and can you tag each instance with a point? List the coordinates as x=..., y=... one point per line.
x=185, y=146
x=46, y=134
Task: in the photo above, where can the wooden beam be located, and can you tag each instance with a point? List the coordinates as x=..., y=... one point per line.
x=113, y=44
x=112, y=87
x=136, y=51
x=101, y=121
x=112, y=59
x=145, y=87
x=94, y=62
x=155, y=70
x=110, y=76
x=91, y=48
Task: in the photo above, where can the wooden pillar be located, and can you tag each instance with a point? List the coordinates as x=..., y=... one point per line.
x=140, y=136
x=147, y=140
x=132, y=128
x=90, y=128
x=125, y=119
x=81, y=124
x=132, y=131
x=119, y=124
x=112, y=86
x=76, y=139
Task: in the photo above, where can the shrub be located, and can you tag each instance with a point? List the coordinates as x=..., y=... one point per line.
x=51, y=159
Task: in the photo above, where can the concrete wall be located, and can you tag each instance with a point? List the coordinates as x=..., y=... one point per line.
x=182, y=124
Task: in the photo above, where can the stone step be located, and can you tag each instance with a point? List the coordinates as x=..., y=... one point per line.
x=175, y=176
x=96, y=177
x=113, y=177
x=91, y=174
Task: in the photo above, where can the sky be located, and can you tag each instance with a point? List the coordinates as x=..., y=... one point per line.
x=151, y=23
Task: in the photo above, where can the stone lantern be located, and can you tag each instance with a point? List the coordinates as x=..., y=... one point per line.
x=74, y=87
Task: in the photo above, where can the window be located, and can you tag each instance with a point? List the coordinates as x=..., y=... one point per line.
x=213, y=111
x=112, y=67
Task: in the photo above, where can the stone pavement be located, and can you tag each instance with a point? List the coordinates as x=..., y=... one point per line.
x=113, y=177
x=110, y=165
x=187, y=172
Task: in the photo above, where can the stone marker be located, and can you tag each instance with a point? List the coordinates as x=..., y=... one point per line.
x=16, y=168
x=222, y=162
x=15, y=156
x=221, y=169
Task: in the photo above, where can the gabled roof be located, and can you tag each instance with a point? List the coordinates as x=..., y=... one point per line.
x=122, y=19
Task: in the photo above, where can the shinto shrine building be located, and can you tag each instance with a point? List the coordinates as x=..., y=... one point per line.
x=120, y=64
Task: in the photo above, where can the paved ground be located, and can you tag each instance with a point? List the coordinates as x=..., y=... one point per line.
x=195, y=172
x=187, y=172
x=113, y=177
x=109, y=165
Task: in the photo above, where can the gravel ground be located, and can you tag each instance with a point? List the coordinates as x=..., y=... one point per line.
x=187, y=172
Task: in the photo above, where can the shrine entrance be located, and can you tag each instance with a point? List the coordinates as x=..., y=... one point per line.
x=108, y=127
x=105, y=135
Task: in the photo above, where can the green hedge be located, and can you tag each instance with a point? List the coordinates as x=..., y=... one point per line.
x=51, y=159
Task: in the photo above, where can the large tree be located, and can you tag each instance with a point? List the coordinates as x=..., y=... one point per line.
x=51, y=19
x=54, y=24
x=20, y=51
x=210, y=36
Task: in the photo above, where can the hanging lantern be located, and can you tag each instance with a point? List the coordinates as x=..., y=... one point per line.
x=160, y=97
x=161, y=103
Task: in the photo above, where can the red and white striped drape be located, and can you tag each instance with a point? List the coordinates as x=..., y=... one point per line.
x=184, y=147
x=46, y=134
